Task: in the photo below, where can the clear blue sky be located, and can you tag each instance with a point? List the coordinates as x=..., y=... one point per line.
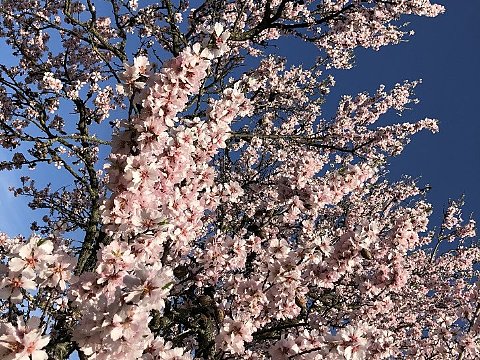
x=445, y=53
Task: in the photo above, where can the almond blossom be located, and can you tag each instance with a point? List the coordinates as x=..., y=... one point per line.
x=221, y=212
x=23, y=342
x=12, y=284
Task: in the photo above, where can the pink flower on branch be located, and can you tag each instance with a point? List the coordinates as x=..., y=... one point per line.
x=23, y=342
x=12, y=286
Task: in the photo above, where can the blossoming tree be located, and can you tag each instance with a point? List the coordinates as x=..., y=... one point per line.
x=230, y=219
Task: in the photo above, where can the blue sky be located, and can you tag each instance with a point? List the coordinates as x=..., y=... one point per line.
x=444, y=53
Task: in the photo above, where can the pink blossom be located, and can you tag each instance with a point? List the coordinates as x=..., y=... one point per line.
x=148, y=287
x=233, y=335
x=11, y=286
x=23, y=342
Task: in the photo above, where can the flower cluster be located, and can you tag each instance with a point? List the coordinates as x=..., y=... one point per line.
x=34, y=264
x=23, y=342
x=368, y=27
x=161, y=195
x=51, y=83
